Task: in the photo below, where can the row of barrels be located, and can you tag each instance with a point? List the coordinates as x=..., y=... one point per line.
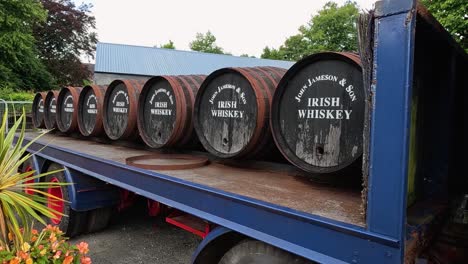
x=314, y=111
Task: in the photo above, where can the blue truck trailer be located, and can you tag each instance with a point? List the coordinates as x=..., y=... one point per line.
x=413, y=158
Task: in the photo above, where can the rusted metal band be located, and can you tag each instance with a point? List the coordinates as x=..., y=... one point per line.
x=191, y=162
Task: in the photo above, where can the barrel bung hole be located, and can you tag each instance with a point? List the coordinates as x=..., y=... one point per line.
x=225, y=141
x=159, y=134
x=319, y=150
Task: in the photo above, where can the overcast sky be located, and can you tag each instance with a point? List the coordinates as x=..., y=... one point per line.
x=241, y=26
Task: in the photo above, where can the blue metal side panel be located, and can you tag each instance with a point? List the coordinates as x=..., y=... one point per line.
x=390, y=7
x=313, y=237
x=393, y=55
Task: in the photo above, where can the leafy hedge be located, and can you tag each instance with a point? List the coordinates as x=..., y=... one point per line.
x=9, y=94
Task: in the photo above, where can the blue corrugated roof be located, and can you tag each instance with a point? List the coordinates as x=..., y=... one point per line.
x=138, y=60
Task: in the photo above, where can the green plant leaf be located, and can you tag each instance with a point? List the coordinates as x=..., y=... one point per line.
x=17, y=208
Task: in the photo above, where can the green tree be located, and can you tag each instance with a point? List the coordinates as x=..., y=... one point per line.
x=20, y=67
x=205, y=43
x=453, y=15
x=333, y=28
x=67, y=35
x=169, y=45
x=271, y=53
x=245, y=55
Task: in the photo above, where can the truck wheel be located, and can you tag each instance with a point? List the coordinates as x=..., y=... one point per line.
x=25, y=167
x=73, y=222
x=98, y=219
x=255, y=252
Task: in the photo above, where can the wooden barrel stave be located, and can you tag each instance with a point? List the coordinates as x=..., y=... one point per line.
x=67, y=105
x=50, y=110
x=90, y=105
x=165, y=110
x=120, y=109
x=232, y=110
x=38, y=110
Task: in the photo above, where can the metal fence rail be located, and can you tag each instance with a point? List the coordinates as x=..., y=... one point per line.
x=3, y=107
x=15, y=109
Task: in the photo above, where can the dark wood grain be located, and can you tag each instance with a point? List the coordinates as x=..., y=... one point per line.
x=90, y=110
x=232, y=111
x=38, y=110
x=50, y=108
x=120, y=109
x=67, y=106
x=165, y=110
x=318, y=112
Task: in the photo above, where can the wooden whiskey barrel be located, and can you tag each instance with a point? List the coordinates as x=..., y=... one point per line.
x=120, y=109
x=90, y=105
x=231, y=114
x=67, y=105
x=318, y=110
x=38, y=110
x=50, y=110
x=165, y=110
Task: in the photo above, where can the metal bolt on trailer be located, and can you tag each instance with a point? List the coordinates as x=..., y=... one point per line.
x=409, y=153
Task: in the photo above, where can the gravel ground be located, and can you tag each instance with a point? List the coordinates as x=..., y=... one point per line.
x=134, y=237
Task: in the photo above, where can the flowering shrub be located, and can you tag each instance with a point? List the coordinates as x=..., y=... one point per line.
x=19, y=208
x=48, y=246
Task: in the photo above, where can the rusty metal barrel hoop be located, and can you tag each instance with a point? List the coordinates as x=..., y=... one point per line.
x=191, y=86
x=262, y=135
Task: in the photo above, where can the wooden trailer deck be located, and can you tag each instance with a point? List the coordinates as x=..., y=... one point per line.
x=270, y=182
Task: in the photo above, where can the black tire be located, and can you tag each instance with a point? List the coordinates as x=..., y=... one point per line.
x=73, y=223
x=98, y=219
x=26, y=164
x=255, y=252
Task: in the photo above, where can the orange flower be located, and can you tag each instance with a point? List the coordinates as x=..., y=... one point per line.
x=22, y=255
x=33, y=239
x=15, y=261
x=29, y=261
x=86, y=260
x=83, y=247
x=52, y=238
x=34, y=232
x=68, y=260
x=55, y=246
x=53, y=229
x=57, y=254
